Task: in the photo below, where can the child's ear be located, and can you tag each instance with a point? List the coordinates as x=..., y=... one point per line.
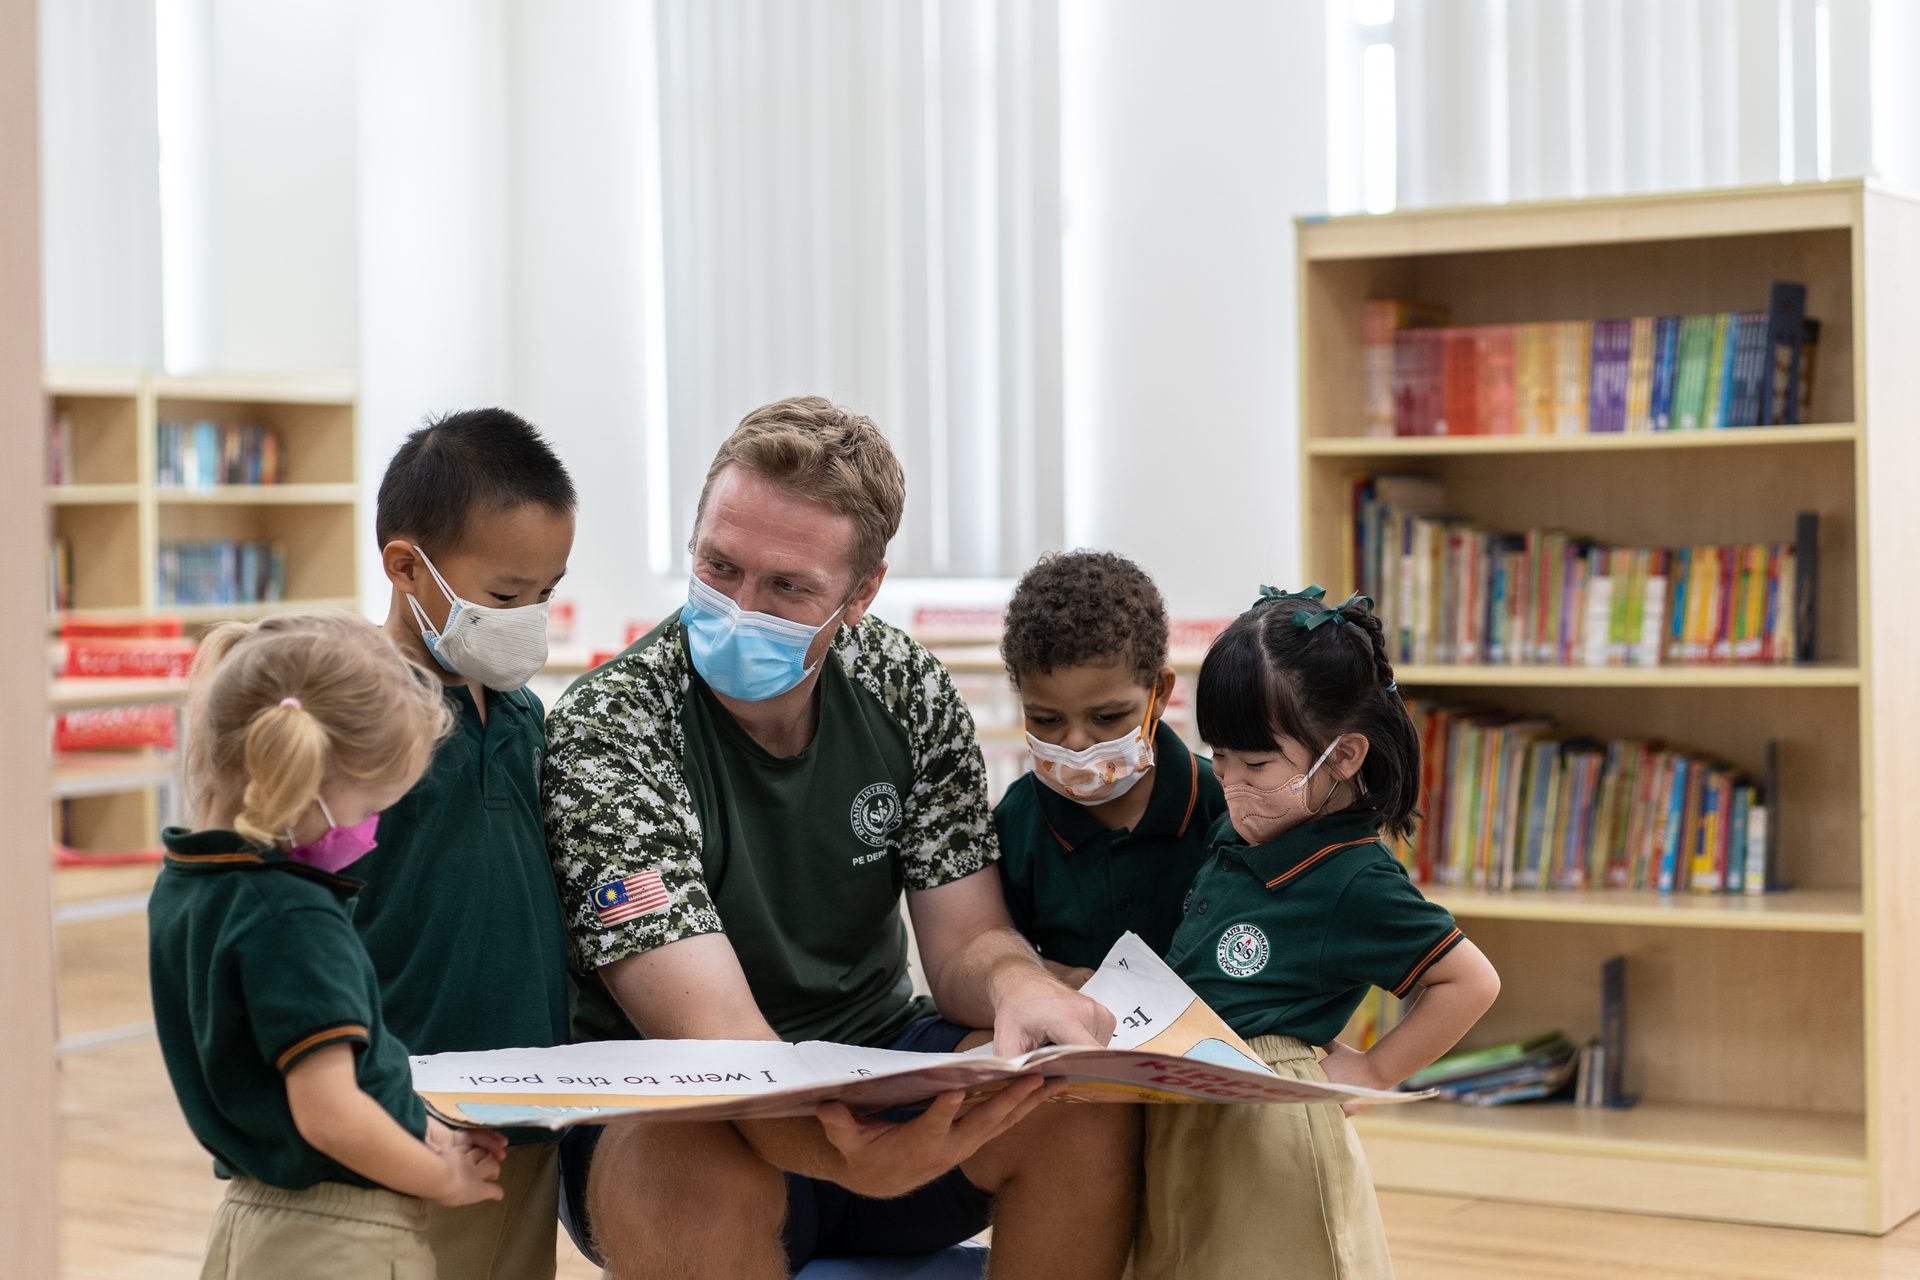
x=1348, y=755
x=402, y=565
x=1163, y=692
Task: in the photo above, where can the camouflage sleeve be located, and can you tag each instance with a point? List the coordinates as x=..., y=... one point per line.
x=621, y=826
x=945, y=833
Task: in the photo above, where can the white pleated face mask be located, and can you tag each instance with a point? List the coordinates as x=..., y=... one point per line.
x=501, y=648
x=1102, y=772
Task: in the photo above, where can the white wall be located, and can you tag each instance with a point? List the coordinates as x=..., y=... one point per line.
x=581, y=272
x=504, y=185
x=431, y=275
x=100, y=184
x=1193, y=135
x=261, y=172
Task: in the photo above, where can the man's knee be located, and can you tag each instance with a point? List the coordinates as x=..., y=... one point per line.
x=1085, y=1137
x=682, y=1184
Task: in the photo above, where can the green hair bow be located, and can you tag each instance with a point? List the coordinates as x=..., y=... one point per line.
x=1313, y=592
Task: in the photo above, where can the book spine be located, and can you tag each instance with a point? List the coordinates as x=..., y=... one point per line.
x=1666, y=364
x=1786, y=317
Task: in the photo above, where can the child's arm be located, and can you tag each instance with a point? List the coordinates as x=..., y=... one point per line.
x=337, y=1117
x=1457, y=990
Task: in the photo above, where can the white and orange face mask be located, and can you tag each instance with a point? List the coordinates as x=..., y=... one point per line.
x=1104, y=771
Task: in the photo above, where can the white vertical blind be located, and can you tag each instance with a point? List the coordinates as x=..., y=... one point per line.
x=99, y=183
x=861, y=199
x=1536, y=99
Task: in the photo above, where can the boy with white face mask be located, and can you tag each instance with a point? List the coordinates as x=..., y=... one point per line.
x=461, y=915
x=1105, y=833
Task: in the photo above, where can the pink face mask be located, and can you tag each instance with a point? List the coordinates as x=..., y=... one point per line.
x=340, y=847
x=1261, y=814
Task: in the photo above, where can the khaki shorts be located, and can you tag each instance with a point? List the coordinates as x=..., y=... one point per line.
x=512, y=1238
x=1244, y=1189
x=329, y=1231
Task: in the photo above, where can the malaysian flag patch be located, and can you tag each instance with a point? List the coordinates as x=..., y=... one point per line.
x=639, y=895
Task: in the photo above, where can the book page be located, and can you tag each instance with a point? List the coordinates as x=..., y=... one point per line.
x=1168, y=1046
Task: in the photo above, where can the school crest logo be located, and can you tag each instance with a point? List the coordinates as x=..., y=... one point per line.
x=876, y=813
x=1243, y=951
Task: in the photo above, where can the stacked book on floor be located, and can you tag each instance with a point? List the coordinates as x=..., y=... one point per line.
x=1453, y=592
x=1520, y=1071
x=1513, y=802
x=1569, y=377
x=222, y=571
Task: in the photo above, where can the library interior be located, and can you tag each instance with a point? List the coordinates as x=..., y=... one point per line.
x=1446, y=452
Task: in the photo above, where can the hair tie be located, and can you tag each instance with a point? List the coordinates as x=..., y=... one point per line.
x=1309, y=620
x=291, y=702
x=1393, y=686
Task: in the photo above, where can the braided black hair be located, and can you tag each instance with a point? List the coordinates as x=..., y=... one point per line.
x=1294, y=667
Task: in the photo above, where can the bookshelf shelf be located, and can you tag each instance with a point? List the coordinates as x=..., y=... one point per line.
x=108, y=773
x=1748, y=1137
x=1793, y=911
x=93, y=495
x=262, y=495
x=1730, y=676
x=1600, y=442
x=1737, y=1123
x=204, y=614
x=74, y=694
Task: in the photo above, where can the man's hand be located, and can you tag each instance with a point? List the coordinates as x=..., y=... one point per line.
x=882, y=1159
x=1071, y=975
x=1032, y=1008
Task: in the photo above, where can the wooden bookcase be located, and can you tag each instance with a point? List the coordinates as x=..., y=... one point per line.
x=1773, y=1041
x=115, y=516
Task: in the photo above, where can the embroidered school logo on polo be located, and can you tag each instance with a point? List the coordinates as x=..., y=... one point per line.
x=1243, y=951
x=876, y=812
x=639, y=895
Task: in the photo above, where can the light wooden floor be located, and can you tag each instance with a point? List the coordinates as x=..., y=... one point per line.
x=136, y=1192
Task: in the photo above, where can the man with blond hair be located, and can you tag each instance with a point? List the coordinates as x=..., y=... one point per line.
x=734, y=807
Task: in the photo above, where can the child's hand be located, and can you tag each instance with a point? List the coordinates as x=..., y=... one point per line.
x=441, y=1136
x=1345, y=1064
x=471, y=1170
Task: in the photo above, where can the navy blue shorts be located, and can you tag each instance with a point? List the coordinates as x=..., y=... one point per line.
x=825, y=1219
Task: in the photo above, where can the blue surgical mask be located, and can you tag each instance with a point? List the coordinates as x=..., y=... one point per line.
x=742, y=654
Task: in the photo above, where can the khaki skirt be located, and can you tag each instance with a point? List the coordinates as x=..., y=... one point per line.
x=329, y=1231
x=1244, y=1190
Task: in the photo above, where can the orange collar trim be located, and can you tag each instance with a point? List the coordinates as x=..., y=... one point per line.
x=1315, y=860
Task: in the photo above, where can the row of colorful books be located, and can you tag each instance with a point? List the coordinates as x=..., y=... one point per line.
x=1453, y=592
x=201, y=455
x=222, y=571
x=1571, y=377
x=1515, y=802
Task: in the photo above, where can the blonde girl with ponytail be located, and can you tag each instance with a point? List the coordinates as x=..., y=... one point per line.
x=302, y=728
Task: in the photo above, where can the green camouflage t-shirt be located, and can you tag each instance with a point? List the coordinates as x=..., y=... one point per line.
x=666, y=821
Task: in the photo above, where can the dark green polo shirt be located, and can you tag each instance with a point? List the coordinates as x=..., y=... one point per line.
x=1285, y=938
x=1074, y=885
x=460, y=912
x=667, y=821
x=254, y=964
